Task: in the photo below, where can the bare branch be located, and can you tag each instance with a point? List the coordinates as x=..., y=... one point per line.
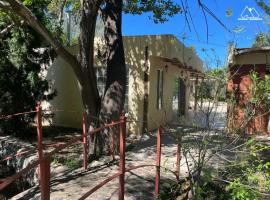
x=4, y=5
x=60, y=18
x=185, y=13
x=205, y=10
x=191, y=19
x=6, y=30
x=9, y=27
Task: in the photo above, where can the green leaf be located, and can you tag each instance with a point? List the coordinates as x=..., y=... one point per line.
x=238, y=29
x=229, y=12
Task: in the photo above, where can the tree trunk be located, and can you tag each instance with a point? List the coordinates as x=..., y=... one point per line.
x=83, y=65
x=113, y=102
x=88, y=85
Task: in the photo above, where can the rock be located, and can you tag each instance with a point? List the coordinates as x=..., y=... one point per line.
x=10, y=146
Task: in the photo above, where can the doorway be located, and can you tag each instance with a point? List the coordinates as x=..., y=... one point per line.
x=179, y=97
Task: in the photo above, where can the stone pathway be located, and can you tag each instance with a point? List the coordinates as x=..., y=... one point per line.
x=139, y=183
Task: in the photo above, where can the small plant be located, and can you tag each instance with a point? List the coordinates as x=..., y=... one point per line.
x=239, y=191
x=71, y=163
x=250, y=177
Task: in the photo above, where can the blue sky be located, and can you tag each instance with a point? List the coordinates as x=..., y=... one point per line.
x=218, y=36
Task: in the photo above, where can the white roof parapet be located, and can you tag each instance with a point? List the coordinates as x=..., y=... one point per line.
x=251, y=50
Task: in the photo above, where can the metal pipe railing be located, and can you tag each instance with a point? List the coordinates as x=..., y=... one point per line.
x=44, y=159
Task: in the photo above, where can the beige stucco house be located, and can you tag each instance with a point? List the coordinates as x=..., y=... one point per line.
x=153, y=62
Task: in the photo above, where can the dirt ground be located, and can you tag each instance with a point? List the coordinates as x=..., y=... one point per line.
x=69, y=181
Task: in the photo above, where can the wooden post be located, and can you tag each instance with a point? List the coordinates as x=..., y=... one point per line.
x=85, y=145
x=122, y=157
x=158, y=162
x=113, y=145
x=44, y=167
x=196, y=93
x=201, y=96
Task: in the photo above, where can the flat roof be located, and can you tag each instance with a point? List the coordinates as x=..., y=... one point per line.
x=240, y=51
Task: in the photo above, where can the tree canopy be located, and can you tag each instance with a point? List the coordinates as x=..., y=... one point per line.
x=262, y=39
x=23, y=52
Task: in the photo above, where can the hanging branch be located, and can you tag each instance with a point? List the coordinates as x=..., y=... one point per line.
x=185, y=13
x=207, y=10
x=191, y=19
x=20, y=10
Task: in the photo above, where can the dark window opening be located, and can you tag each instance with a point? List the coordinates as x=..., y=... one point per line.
x=159, y=89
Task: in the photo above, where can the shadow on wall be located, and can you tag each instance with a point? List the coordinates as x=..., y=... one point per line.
x=68, y=102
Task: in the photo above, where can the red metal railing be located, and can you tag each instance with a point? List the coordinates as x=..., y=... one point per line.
x=158, y=161
x=44, y=159
x=85, y=145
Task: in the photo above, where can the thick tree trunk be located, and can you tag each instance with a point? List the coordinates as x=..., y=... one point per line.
x=88, y=85
x=113, y=102
x=83, y=65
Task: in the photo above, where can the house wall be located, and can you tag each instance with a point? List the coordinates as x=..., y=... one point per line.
x=135, y=59
x=68, y=101
x=165, y=114
x=167, y=46
x=251, y=58
x=139, y=51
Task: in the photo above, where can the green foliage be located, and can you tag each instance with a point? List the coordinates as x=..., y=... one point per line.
x=229, y=12
x=238, y=191
x=161, y=10
x=249, y=177
x=204, y=90
x=264, y=6
x=71, y=163
x=245, y=178
x=256, y=102
x=56, y=12
x=260, y=91
x=22, y=52
x=215, y=82
x=261, y=40
x=238, y=29
x=206, y=188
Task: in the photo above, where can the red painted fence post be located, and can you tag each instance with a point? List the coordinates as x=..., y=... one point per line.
x=122, y=139
x=158, y=162
x=85, y=145
x=113, y=145
x=44, y=167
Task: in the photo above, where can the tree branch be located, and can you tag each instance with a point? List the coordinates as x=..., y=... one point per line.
x=4, y=5
x=18, y=8
x=9, y=27
x=60, y=19
x=205, y=10
x=6, y=30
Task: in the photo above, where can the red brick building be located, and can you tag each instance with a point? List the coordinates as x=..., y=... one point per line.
x=241, y=63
